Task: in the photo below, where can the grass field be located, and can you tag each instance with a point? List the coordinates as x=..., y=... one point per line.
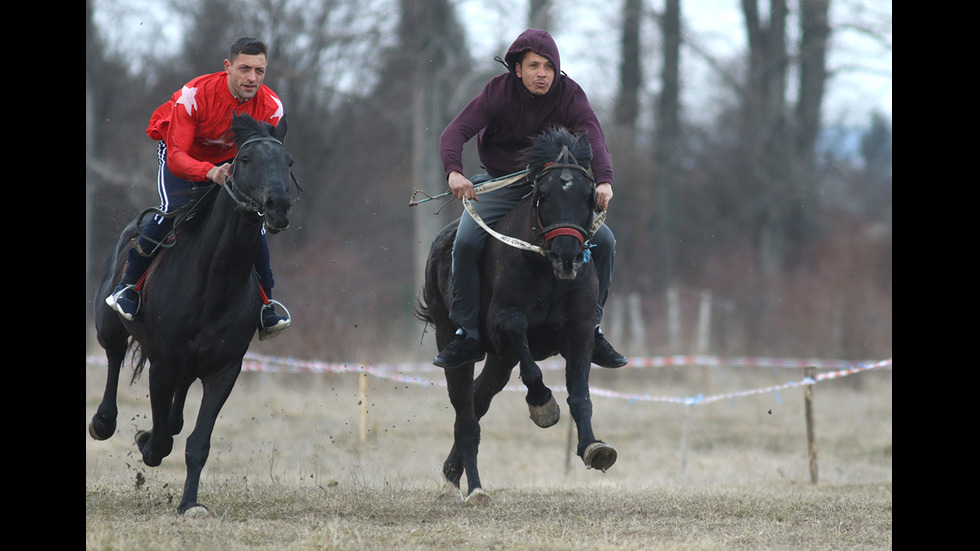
x=288, y=469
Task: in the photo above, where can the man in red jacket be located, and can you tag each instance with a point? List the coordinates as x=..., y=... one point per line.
x=514, y=107
x=196, y=149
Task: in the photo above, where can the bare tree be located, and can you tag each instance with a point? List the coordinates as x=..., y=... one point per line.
x=813, y=78
x=764, y=131
x=627, y=107
x=668, y=137
x=432, y=43
x=539, y=14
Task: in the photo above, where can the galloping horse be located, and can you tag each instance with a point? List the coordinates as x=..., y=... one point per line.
x=536, y=301
x=200, y=301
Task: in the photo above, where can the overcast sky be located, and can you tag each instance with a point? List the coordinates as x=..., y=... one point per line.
x=587, y=30
x=588, y=38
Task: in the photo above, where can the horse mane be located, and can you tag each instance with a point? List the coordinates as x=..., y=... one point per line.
x=546, y=147
x=245, y=127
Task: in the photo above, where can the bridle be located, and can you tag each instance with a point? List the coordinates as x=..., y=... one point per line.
x=242, y=200
x=566, y=163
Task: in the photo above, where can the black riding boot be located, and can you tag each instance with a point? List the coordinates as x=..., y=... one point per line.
x=603, y=354
x=460, y=350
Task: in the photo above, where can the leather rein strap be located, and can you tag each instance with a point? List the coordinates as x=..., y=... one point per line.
x=555, y=229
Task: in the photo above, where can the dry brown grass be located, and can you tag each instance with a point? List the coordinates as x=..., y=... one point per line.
x=289, y=472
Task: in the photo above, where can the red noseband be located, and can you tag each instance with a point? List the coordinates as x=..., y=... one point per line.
x=564, y=231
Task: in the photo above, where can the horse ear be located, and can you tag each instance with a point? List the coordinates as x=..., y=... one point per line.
x=280, y=131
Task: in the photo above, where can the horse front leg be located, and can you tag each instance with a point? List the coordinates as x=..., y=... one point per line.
x=158, y=442
x=177, y=408
x=198, y=447
x=103, y=423
x=466, y=435
x=594, y=453
x=510, y=337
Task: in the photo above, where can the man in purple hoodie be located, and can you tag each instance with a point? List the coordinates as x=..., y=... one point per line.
x=514, y=107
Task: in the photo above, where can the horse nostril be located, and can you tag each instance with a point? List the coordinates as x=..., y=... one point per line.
x=277, y=203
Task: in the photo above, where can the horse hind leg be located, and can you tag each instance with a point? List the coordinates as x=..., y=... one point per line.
x=216, y=392
x=103, y=424
x=158, y=442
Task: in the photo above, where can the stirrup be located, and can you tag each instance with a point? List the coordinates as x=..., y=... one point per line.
x=264, y=333
x=112, y=301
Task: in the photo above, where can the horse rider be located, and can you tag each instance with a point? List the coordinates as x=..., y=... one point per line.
x=196, y=149
x=531, y=97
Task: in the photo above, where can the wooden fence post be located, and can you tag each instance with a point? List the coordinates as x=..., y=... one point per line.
x=685, y=436
x=703, y=343
x=362, y=394
x=811, y=437
x=673, y=320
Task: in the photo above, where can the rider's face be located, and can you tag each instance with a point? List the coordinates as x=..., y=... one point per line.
x=245, y=74
x=536, y=72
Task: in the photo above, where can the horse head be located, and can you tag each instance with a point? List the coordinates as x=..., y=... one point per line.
x=563, y=198
x=260, y=174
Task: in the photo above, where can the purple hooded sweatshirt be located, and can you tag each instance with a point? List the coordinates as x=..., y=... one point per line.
x=505, y=116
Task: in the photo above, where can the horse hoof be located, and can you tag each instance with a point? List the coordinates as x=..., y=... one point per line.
x=102, y=433
x=478, y=497
x=196, y=510
x=545, y=415
x=143, y=445
x=599, y=455
x=450, y=492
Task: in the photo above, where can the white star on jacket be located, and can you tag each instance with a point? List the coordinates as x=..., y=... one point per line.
x=187, y=99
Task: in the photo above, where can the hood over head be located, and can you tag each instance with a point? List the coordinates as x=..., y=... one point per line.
x=539, y=42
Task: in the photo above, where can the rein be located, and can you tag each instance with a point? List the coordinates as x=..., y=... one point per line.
x=243, y=200
x=179, y=215
x=566, y=163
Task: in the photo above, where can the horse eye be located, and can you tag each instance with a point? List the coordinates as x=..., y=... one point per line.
x=244, y=159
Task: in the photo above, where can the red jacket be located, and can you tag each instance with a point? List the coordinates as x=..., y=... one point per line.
x=195, y=123
x=505, y=116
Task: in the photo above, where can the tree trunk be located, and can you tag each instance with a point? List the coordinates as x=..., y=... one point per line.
x=764, y=129
x=667, y=140
x=813, y=78
x=627, y=106
x=539, y=14
x=431, y=42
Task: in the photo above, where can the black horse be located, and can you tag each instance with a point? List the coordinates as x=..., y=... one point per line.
x=200, y=300
x=535, y=302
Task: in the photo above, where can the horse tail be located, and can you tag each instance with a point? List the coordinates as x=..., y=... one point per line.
x=139, y=359
x=421, y=312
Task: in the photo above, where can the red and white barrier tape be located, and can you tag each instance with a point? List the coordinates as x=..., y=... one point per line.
x=394, y=372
